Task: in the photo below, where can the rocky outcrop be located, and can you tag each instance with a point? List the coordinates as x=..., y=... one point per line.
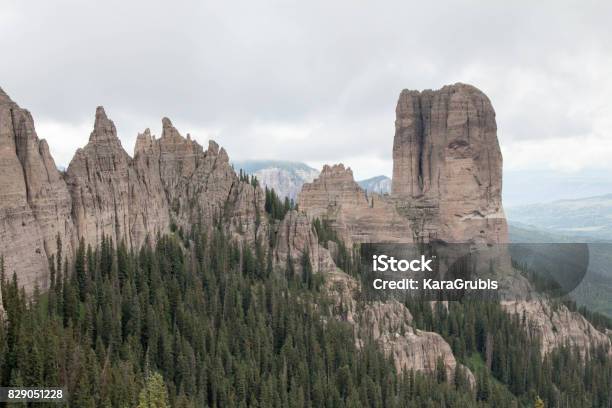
x=447, y=165
x=558, y=326
x=356, y=216
x=390, y=325
x=295, y=237
x=170, y=180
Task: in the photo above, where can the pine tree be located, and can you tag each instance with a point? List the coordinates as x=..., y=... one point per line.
x=81, y=271
x=538, y=403
x=459, y=379
x=154, y=393
x=58, y=253
x=483, y=387
x=307, y=274
x=440, y=370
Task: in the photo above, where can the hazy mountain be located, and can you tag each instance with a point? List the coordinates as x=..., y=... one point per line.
x=522, y=187
x=586, y=217
x=378, y=184
x=285, y=177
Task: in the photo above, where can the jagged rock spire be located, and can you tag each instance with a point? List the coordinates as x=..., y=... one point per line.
x=144, y=141
x=168, y=130
x=213, y=147
x=104, y=128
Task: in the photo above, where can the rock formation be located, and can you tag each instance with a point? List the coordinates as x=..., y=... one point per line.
x=198, y=184
x=105, y=192
x=447, y=177
x=357, y=217
x=109, y=199
x=447, y=165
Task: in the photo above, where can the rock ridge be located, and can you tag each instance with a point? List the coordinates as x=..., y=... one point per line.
x=105, y=192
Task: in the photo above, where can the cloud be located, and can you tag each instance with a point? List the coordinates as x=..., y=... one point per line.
x=314, y=81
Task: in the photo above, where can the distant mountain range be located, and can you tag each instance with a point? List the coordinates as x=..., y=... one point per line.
x=285, y=177
x=378, y=184
x=538, y=186
x=578, y=218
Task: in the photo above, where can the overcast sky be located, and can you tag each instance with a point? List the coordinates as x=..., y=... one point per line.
x=314, y=81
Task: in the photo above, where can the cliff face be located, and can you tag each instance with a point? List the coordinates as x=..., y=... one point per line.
x=170, y=179
x=197, y=184
x=357, y=217
x=447, y=165
x=34, y=200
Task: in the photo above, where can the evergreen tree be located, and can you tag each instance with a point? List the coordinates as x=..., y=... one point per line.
x=307, y=274
x=154, y=394
x=81, y=271
x=538, y=403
